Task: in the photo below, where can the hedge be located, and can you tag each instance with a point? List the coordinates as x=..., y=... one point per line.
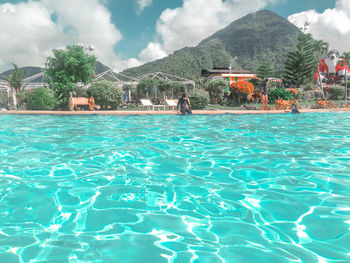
x=279, y=93
x=336, y=92
x=199, y=99
x=106, y=94
x=41, y=99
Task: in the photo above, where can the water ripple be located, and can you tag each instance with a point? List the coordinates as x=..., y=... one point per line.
x=268, y=188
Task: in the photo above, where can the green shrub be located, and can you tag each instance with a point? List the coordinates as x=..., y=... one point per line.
x=336, y=92
x=41, y=99
x=279, y=93
x=178, y=89
x=106, y=94
x=216, y=89
x=199, y=99
x=145, y=88
x=21, y=100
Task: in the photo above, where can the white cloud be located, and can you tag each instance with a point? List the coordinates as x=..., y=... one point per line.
x=30, y=30
x=131, y=62
x=152, y=52
x=195, y=20
x=333, y=25
x=142, y=4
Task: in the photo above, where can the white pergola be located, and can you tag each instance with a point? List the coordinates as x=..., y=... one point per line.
x=5, y=91
x=119, y=79
x=167, y=77
x=122, y=79
x=28, y=83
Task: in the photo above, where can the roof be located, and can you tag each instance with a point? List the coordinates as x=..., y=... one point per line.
x=274, y=80
x=209, y=72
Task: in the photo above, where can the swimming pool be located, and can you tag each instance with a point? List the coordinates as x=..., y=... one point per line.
x=226, y=188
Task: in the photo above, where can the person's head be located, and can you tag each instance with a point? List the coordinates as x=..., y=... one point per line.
x=184, y=96
x=264, y=81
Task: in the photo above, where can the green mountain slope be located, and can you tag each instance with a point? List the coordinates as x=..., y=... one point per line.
x=253, y=39
x=187, y=62
x=30, y=72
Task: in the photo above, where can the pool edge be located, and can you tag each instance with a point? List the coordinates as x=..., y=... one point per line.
x=197, y=112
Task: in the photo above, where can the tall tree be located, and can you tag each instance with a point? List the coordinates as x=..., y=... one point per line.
x=164, y=87
x=300, y=63
x=145, y=87
x=346, y=56
x=265, y=70
x=320, y=50
x=15, y=79
x=67, y=68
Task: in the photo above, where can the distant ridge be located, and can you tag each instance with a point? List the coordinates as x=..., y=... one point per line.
x=31, y=71
x=253, y=39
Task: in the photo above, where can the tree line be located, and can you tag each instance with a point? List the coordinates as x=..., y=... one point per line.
x=71, y=66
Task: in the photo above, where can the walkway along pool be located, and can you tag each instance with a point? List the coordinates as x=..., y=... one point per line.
x=225, y=188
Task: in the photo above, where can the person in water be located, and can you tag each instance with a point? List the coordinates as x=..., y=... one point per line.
x=184, y=105
x=295, y=109
x=264, y=93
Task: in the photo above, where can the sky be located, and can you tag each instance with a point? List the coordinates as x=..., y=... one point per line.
x=128, y=33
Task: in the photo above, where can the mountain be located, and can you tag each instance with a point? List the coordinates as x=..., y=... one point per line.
x=256, y=38
x=31, y=71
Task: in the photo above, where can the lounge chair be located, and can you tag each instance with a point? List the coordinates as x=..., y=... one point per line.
x=146, y=103
x=171, y=104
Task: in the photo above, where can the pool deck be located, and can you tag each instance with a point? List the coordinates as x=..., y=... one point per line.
x=150, y=112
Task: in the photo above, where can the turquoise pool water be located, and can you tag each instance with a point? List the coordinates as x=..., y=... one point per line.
x=251, y=188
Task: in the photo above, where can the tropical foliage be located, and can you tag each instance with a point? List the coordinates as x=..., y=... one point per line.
x=320, y=50
x=265, y=70
x=164, y=87
x=177, y=89
x=336, y=92
x=106, y=94
x=279, y=93
x=145, y=88
x=300, y=64
x=67, y=68
x=346, y=56
x=16, y=78
x=199, y=99
x=216, y=89
x=41, y=99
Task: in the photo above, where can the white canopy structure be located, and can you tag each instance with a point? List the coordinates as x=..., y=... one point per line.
x=120, y=79
x=5, y=94
x=30, y=83
x=168, y=77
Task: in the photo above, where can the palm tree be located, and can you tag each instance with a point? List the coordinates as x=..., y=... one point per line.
x=15, y=79
x=346, y=57
x=320, y=50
